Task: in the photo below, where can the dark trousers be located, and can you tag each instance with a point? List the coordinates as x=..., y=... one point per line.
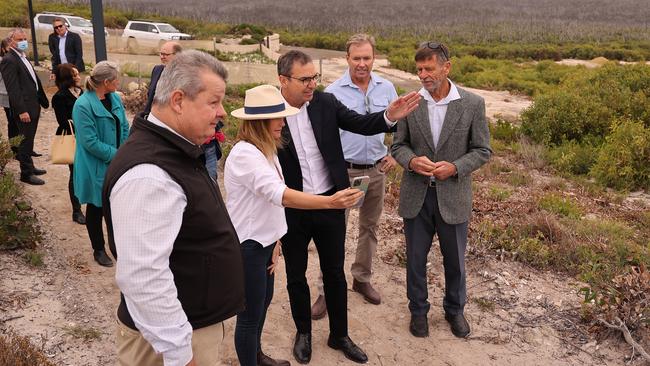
x=419, y=233
x=76, y=206
x=259, y=292
x=327, y=228
x=94, y=226
x=28, y=131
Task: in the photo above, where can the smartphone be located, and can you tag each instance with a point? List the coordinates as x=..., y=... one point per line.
x=360, y=183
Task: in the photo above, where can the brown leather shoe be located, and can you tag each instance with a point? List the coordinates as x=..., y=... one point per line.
x=264, y=360
x=369, y=293
x=319, y=309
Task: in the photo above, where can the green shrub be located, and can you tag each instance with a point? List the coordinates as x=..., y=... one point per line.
x=504, y=130
x=559, y=205
x=573, y=157
x=624, y=160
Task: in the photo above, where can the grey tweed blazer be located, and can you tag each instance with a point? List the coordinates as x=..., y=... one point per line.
x=464, y=141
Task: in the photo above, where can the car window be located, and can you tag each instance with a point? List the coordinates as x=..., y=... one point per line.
x=80, y=22
x=138, y=27
x=151, y=28
x=46, y=19
x=166, y=28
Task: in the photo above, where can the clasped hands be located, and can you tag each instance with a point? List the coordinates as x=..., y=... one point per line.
x=440, y=170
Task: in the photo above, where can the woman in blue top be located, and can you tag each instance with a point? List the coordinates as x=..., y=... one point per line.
x=101, y=127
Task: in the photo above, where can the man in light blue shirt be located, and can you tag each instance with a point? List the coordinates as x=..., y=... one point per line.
x=364, y=92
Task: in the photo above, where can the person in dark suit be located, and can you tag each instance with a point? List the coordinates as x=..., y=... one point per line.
x=65, y=47
x=439, y=145
x=26, y=97
x=167, y=53
x=68, y=81
x=313, y=162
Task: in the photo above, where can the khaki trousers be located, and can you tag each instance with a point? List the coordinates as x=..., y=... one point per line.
x=369, y=215
x=134, y=350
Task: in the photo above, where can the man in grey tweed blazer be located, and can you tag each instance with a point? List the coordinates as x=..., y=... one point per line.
x=439, y=145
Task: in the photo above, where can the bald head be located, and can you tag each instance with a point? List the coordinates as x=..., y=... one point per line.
x=168, y=51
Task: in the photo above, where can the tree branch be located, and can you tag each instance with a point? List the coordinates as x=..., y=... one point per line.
x=627, y=335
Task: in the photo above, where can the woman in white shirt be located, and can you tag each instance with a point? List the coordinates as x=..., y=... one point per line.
x=255, y=198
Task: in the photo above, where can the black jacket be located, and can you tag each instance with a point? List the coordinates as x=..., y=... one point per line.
x=327, y=115
x=73, y=50
x=155, y=76
x=62, y=102
x=23, y=95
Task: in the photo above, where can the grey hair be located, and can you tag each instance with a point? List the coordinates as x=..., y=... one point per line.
x=13, y=32
x=104, y=70
x=184, y=73
x=360, y=38
x=286, y=61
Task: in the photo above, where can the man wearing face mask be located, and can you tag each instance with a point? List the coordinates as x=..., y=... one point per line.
x=26, y=97
x=439, y=145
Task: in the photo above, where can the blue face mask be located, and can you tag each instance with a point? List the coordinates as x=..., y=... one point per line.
x=22, y=45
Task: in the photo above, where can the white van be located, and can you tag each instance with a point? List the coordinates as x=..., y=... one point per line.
x=83, y=27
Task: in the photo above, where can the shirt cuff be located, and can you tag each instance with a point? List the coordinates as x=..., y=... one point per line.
x=278, y=194
x=389, y=123
x=178, y=356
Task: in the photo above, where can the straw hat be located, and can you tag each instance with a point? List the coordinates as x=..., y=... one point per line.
x=264, y=102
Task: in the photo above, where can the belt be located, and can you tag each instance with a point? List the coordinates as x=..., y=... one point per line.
x=361, y=166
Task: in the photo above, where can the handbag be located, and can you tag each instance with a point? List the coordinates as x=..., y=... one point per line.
x=63, y=147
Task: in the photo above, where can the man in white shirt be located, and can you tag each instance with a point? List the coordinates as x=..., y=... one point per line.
x=65, y=47
x=313, y=162
x=179, y=266
x=439, y=145
x=364, y=92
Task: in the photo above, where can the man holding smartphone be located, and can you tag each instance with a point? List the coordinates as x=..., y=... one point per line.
x=364, y=92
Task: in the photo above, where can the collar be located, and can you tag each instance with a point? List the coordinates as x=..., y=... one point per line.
x=19, y=53
x=153, y=119
x=346, y=80
x=451, y=96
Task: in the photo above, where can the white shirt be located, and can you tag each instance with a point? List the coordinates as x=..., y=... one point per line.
x=254, y=189
x=438, y=110
x=316, y=177
x=147, y=208
x=64, y=60
x=28, y=65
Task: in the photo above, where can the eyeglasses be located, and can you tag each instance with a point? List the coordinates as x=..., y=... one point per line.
x=367, y=102
x=162, y=54
x=306, y=80
x=59, y=26
x=436, y=46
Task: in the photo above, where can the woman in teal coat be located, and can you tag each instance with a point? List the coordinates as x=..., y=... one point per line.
x=101, y=128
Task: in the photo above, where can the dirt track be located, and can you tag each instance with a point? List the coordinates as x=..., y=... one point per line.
x=522, y=327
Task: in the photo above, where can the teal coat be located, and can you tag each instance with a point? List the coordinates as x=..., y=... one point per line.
x=96, y=145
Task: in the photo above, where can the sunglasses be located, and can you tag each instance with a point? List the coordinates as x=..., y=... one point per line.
x=59, y=26
x=436, y=46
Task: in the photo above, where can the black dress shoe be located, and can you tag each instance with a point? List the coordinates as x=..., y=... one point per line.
x=302, y=348
x=78, y=217
x=264, y=360
x=37, y=171
x=350, y=350
x=35, y=154
x=419, y=326
x=32, y=179
x=459, y=325
x=102, y=258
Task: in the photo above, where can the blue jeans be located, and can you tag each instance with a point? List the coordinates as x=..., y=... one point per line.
x=211, y=158
x=259, y=292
